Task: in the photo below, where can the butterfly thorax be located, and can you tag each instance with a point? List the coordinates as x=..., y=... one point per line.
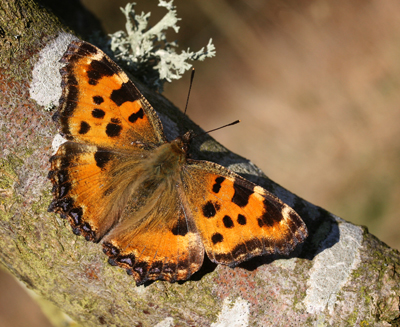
x=168, y=158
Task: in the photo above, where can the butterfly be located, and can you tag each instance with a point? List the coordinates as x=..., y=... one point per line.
x=156, y=211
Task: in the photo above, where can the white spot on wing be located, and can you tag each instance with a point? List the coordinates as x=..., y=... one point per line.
x=259, y=189
x=285, y=212
x=97, y=56
x=124, y=78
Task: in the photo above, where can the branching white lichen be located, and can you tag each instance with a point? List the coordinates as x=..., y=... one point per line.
x=146, y=51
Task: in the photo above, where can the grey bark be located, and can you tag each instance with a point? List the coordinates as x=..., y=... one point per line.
x=341, y=276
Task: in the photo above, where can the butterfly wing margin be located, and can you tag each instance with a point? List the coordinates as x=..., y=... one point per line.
x=100, y=105
x=237, y=219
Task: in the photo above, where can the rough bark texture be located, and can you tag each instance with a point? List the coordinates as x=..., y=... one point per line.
x=341, y=276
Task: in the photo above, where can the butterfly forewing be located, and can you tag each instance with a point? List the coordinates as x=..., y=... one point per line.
x=100, y=105
x=237, y=219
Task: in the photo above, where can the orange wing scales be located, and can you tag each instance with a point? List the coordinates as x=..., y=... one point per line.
x=162, y=244
x=117, y=180
x=79, y=177
x=239, y=220
x=168, y=254
x=100, y=105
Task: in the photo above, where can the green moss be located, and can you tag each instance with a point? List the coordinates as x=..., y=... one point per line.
x=8, y=167
x=352, y=318
x=42, y=204
x=8, y=177
x=20, y=38
x=365, y=294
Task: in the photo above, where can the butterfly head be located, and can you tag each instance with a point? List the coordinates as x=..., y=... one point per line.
x=182, y=143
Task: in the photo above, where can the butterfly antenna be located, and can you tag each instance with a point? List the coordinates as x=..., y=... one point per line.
x=190, y=88
x=216, y=129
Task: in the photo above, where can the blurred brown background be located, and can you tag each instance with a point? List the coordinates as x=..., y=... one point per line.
x=316, y=86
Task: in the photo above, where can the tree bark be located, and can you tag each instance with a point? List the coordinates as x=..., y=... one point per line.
x=341, y=275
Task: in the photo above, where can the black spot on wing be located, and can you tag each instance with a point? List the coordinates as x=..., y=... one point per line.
x=272, y=214
x=98, y=113
x=99, y=69
x=83, y=49
x=217, y=186
x=126, y=93
x=113, y=130
x=180, y=227
x=102, y=158
x=136, y=115
x=97, y=99
x=210, y=209
x=241, y=219
x=217, y=238
x=228, y=223
x=84, y=128
x=241, y=195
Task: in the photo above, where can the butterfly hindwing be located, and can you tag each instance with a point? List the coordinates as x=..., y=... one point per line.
x=88, y=186
x=155, y=238
x=237, y=219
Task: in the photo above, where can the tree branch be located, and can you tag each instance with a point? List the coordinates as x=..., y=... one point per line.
x=341, y=276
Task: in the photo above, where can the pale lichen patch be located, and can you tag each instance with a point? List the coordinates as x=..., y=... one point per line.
x=45, y=87
x=233, y=314
x=167, y=322
x=57, y=141
x=333, y=266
